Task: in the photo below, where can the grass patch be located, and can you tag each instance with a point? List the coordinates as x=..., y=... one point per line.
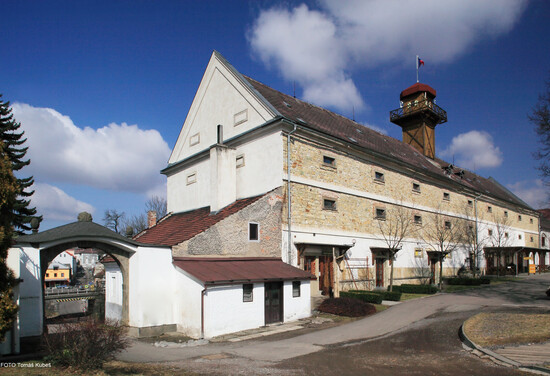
x=456, y=288
x=495, y=329
x=409, y=296
x=380, y=307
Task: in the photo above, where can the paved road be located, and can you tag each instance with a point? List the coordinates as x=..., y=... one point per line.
x=267, y=354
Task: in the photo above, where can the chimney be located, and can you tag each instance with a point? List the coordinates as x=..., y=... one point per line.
x=417, y=116
x=223, y=174
x=151, y=218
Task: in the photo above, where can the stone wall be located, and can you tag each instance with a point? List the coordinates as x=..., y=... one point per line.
x=229, y=237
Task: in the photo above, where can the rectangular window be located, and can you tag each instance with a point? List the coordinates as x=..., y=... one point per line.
x=490, y=232
x=531, y=220
x=253, y=232
x=506, y=214
x=447, y=225
x=239, y=162
x=380, y=213
x=192, y=178
x=519, y=218
x=62, y=274
x=195, y=139
x=247, y=292
x=489, y=209
x=446, y=196
x=519, y=236
x=240, y=117
x=329, y=161
x=296, y=285
x=506, y=234
x=543, y=241
x=55, y=274
x=379, y=176
x=329, y=204
x=416, y=187
x=417, y=220
x=470, y=203
x=418, y=253
x=531, y=240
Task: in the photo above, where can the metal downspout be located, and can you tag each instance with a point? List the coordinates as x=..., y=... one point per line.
x=289, y=195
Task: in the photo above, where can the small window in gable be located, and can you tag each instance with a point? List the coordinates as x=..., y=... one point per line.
x=253, y=232
x=240, y=161
x=195, y=139
x=447, y=225
x=380, y=213
x=379, y=176
x=240, y=117
x=446, y=196
x=248, y=292
x=192, y=178
x=329, y=161
x=296, y=285
x=417, y=220
x=329, y=204
x=416, y=187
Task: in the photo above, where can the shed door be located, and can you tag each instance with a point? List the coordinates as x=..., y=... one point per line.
x=273, y=302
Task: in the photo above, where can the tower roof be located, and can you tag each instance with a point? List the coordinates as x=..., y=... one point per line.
x=418, y=87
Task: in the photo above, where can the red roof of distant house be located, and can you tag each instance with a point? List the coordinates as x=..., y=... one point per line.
x=416, y=88
x=234, y=270
x=179, y=227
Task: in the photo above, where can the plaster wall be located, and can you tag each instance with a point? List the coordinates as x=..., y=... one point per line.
x=187, y=303
x=225, y=312
x=296, y=308
x=151, y=295
x=185, y=192
x=113, y=292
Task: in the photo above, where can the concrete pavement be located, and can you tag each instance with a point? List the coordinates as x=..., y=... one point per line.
x=526, y=293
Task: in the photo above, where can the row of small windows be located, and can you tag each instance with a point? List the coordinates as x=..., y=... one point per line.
x=238, y=118
x=248, y=291
x=192, y=178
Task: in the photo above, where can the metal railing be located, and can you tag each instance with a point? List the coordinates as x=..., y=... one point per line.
x=55, y=291
x=415, y=107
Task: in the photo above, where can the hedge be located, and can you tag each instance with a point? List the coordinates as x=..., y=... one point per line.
x=364, y=296
x=386, y=295
x=415, y=289
x=467, y=281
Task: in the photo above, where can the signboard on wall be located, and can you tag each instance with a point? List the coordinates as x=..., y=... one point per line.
x=532, y=269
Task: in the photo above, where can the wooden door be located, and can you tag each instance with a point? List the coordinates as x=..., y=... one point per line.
x=273, y=302
x=326, y=278
x=380, y=272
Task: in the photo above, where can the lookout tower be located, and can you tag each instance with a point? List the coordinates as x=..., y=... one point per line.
x=417, y=116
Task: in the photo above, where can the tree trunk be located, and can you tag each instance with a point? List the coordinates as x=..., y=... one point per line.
x=440, y=270
x=391, y=274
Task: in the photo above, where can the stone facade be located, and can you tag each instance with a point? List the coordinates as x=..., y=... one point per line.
x=230, y=237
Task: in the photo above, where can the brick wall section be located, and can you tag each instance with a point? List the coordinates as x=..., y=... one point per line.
x=229, y=237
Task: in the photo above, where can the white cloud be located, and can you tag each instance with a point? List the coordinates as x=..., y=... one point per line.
x=54, y=204
x=115, y=157
x=319, y=48
x=533, y=192
x=474, y=150
x=376, y=128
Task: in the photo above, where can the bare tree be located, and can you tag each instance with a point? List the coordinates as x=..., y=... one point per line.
x=113, y=219
x=443, y=235
x=158, y=205
x=394, y=225
x=473, y=236
x=138, y=222
x=499, y=235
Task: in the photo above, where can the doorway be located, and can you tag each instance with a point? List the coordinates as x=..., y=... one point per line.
x=273, y=302
x=380, y=272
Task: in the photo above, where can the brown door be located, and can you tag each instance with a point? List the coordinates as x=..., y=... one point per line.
x=273, y=302
x=432, y=262
x=326, y=279
x=380, y=272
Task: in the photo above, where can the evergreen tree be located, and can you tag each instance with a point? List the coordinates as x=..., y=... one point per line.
x=12, y=142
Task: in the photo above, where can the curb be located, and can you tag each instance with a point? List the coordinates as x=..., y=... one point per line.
x=497, y=357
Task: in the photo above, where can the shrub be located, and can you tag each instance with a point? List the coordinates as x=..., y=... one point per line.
x=386, y=295
x=464, y=281
x=367, y=297
x=416, y=289
x=84, y=345
x=347, y=307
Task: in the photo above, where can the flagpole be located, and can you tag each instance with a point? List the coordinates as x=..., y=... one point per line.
x=416, y=68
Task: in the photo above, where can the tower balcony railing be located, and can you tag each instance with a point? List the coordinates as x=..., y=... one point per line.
x=415, y=107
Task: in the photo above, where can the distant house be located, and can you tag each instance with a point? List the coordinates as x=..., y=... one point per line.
x=87, y=258
x=57, y=275
x=67, y=258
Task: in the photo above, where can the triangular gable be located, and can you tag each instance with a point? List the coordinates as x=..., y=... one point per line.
x=223, y=97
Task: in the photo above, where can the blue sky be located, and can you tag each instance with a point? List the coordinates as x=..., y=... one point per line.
x=102, y=88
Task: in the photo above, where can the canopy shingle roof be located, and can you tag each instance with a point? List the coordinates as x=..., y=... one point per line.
x=234, y=270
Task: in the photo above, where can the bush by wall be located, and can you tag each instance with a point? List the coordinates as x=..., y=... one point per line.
x=84, y=345
x=416, y=289
x=386, y=295
x=367, y=297
x=347, y=307
x=468, y=281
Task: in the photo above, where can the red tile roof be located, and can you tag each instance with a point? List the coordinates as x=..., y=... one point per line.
x=234, y=270
x=416, y=88
x=332, y=124
x=179, y=227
